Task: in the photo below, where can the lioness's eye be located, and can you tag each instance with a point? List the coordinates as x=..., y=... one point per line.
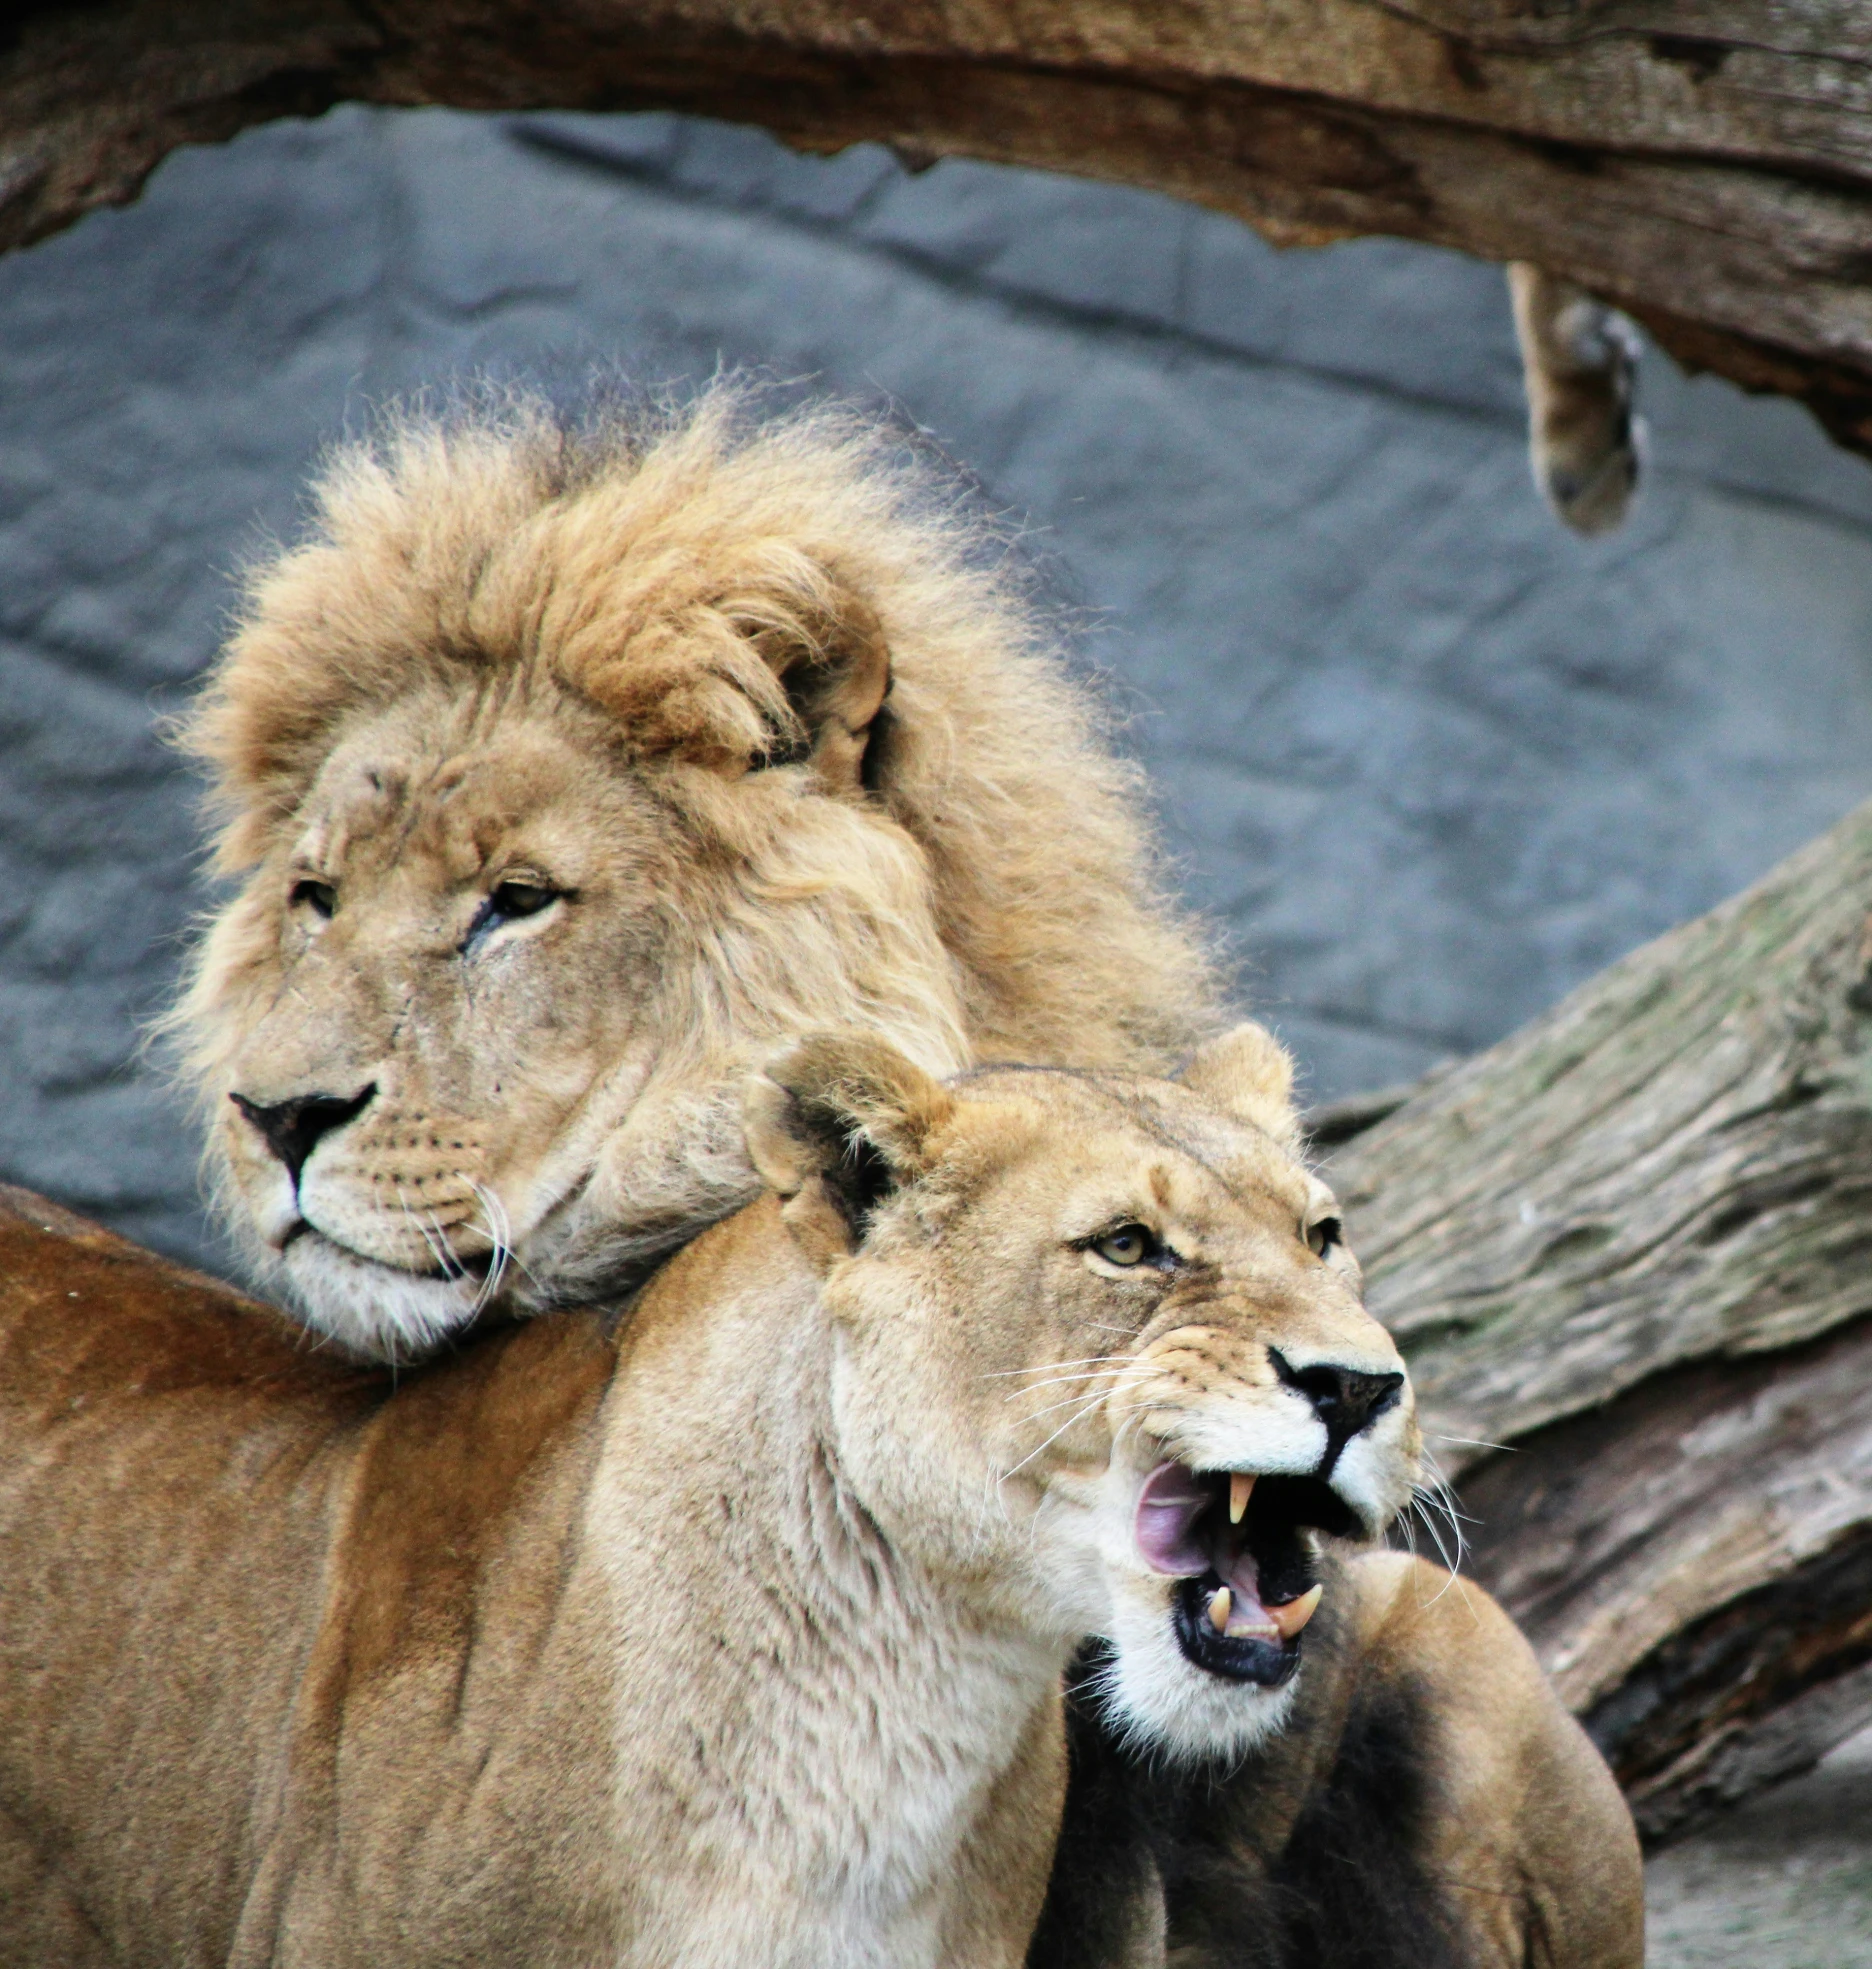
x=1324, y=1235
x=511, y=899
x=1129, y=1244
x=319, y=897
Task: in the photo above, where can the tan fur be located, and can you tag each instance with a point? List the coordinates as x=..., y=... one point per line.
x=1579, y=362
x=730, y=1634
x=1530, y=1837
x=1429, y=1805
x=767, y=706
x=1423, y=1723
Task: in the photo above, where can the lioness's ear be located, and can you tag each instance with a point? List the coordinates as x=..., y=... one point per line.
x=1247, y=1073
x=835, y=1126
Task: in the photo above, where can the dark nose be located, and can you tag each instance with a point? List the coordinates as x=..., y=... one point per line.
x=1344, y=1398
x=293, y=1129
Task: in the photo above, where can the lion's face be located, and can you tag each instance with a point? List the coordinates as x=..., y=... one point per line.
x=1106, y=1333
x=449, y=998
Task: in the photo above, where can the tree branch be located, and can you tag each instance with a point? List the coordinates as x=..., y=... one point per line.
x=1708, y=167
x=1630, y=1245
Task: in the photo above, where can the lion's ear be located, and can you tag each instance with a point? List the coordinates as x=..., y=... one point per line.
x=773, y=670
x=836, y=677
x=835, y=1126
x=1248, y=1073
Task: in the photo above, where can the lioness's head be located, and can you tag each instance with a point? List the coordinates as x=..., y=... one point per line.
x=563, y=771
x=1103, y=1337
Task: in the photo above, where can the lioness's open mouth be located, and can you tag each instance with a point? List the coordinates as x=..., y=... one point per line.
x=1245, y=1572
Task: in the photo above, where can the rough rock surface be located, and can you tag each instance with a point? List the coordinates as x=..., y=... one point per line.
x=1783, y=1882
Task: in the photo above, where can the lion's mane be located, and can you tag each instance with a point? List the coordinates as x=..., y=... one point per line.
x=654, y=565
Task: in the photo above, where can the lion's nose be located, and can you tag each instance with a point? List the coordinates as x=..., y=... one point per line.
x=293, y=1129
x=1346, y=1399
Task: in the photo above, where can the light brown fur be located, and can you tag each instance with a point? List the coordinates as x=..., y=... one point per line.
x=1429, y=1804
x=1472, y=1823
x=1579, y=364
x=730, y=1634
x=766, y=713
x=1527, y=1837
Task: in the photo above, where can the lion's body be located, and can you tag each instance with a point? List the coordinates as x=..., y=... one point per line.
x=763, y=730
x=731, y=1632
x=778, y=751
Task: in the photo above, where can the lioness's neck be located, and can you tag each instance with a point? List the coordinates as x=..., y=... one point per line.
x=849, y=1716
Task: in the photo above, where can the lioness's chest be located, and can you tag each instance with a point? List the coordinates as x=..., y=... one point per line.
x=823, y=1827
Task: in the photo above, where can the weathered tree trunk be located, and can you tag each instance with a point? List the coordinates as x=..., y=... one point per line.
x=1707, y=166
x=1632, y=1246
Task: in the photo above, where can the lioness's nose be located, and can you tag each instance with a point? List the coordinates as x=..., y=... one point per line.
x=293, y=1129
x=1346, y=1399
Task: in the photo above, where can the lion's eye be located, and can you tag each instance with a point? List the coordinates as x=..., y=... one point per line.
x=1128, y=1245
x=514, y=899
x=319, y=897
x=1324, y=1235
x=507, y=902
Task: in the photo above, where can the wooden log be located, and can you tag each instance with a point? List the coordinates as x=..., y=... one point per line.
x=1632, y=1246
x=1708, y=167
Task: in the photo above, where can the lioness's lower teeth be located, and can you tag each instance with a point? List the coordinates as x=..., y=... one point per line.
x=1253, y=1630
x=1219, y=1603
x=1296, y=1613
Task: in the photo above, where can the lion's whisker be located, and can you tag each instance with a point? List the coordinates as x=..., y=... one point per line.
x=499, y=1233
x=439, y=1251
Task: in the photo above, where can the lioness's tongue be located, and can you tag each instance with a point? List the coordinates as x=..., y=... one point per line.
x=1169, y=1512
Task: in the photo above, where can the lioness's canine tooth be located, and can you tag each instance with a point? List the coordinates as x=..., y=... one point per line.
x=1219, y=1603
x=1240, y=1484
x=1296, y=1613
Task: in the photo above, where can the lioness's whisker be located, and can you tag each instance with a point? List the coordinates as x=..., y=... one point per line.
x=1049, y=1367
x=1067, y=1381
x=1051, y=1407
x=1434, y=1505
x=1085, y=1410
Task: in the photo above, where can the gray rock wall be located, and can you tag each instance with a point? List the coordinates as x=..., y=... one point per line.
x=1429, y=758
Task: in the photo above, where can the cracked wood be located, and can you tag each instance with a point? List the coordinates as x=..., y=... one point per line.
x=1708, y=167
x=1631, y=1245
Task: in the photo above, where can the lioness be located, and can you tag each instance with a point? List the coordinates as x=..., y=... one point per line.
x=569, y=766
x=731, y=1633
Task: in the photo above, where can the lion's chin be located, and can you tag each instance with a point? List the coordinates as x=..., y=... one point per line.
x=374, y=1309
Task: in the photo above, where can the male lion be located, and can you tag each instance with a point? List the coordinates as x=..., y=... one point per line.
x=731, y=1633
x=567, y=767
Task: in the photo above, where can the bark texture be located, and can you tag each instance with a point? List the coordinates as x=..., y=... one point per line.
x=1707, y=164
x=1632, y=1247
